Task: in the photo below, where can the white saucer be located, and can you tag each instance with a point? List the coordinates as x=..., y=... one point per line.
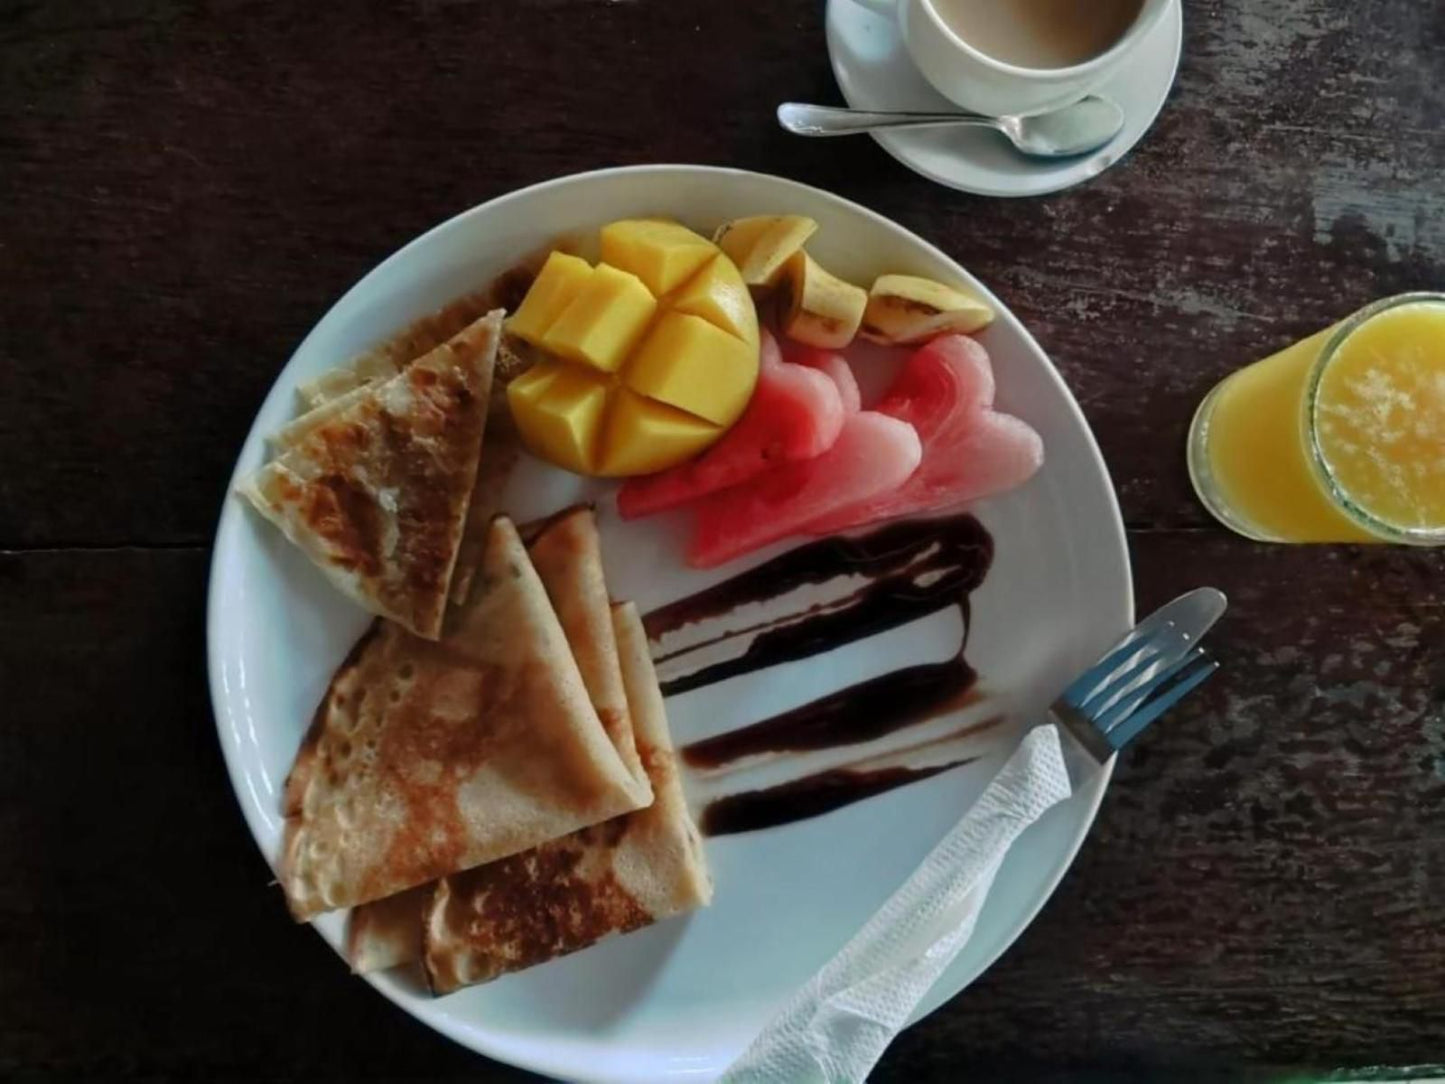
x=874, y=72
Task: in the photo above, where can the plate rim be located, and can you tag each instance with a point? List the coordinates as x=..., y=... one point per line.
x=231, y=512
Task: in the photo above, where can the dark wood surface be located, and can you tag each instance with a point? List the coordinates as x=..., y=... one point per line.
x=186, y=187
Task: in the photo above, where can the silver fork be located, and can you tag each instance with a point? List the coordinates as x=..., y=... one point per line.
x=1149, y=671
x=883, y=973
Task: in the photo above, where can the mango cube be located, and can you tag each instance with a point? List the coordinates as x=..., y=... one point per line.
x=717, y=294
x=605, y=318
x=662, y=254
x=648, y=357
x=552, y=291
x=689, y=363
x=559, y=409
x=644, y=436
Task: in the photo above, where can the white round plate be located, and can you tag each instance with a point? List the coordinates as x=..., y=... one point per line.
x=874, y=71
x=680, y=1000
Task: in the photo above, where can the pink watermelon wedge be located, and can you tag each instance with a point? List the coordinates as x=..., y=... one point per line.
x=835, y=365
x=873, y=455
x=795, y=413
x=970, y=450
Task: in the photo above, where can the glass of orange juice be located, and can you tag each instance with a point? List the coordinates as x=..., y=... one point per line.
x=1338, y=438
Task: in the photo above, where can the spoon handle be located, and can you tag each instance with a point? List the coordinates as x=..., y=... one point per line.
x=824, y=120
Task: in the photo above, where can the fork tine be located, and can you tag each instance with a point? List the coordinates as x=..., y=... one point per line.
x=1195, y=610
x=1087, y=684
x=1124, y=706
x=1166, y=647
x=1122, y=681
x=1126, y=731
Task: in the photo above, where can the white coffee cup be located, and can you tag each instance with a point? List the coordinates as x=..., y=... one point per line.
x=976, y=81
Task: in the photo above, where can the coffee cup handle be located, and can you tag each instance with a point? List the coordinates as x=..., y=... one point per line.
x=882, y=7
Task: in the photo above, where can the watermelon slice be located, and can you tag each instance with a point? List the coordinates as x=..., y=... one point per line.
x=795, y=413
x=970, y=450
x=874, y=455
x=835, y=365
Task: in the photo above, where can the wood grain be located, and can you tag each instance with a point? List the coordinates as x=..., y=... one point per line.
x=186, y=187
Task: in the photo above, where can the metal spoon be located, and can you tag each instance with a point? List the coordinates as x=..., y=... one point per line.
x=1075, y=129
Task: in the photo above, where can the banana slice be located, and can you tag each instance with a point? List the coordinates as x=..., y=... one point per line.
x=820, y=309
x=763, y=244
x=906, y=309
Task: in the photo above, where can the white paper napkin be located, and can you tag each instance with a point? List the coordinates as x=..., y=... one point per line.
x=837, y=1026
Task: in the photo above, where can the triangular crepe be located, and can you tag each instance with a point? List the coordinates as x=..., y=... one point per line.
x=391, y=356
x=375, y=486
x=572, y=892
x=567, y=554
x=429, y=758
x=387, y=932
x=329, y=393
x=500, y=452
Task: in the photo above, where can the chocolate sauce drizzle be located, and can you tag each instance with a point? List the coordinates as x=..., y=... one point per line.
x=859, y=713
x=811, y=796
x=908, y=570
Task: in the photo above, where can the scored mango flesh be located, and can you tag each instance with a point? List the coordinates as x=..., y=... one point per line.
x=650, y=355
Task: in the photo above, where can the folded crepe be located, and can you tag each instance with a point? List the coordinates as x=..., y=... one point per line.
x=387, y=933
x=500, y=452
x=389, y=357
x=427, y=758
x=332, y=390
x=564, y=895
x=375, y=485
x=426, y=333
x=568, y=894
x=567, y=554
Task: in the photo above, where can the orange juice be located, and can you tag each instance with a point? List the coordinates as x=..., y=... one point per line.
x=1338, y=438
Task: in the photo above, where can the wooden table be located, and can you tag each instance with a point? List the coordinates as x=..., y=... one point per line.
x=185, y=188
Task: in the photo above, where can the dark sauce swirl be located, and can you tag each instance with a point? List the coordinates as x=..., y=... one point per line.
x=907, y=570
x=910, y=570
